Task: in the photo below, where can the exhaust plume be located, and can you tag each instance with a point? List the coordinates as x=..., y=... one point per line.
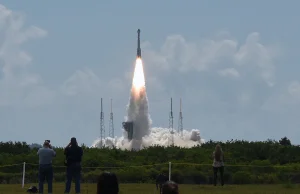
x=137, y=111
x=143, y=135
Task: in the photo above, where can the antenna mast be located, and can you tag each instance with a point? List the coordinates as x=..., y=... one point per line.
x=180, y=125
x=111, y=122
x=171, y=125
x=102, y=127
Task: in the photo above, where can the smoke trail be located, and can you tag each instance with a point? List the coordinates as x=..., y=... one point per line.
x=143, y=135
x=137, y=111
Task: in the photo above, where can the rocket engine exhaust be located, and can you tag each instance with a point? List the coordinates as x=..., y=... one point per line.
x=138, y=121
x=138, y=133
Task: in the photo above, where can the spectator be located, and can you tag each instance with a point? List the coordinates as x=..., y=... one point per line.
x=170, y=187
x=73, y=162
x=46, y=154
x=107, y=183
x=160, y=180
x=218, y=164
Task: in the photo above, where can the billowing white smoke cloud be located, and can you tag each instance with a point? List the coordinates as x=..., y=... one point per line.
x=157, y=136
x=143, y=135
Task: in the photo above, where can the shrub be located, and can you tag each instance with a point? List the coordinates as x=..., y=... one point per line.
x=242, y=177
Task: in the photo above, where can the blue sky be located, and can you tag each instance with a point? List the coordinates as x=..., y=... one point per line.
x=234, y=64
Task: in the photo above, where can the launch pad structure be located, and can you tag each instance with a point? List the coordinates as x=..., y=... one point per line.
x=111, y=130
x=180, y=121
x=102, y=126
x=128, y=127
x=171, y=129
x=171, y=124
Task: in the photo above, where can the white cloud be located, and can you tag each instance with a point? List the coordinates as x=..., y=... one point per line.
x=229, y=72
x=16, y=84
x=85, y=83
x=214, y=54
x=256, y=55
x=177, y=53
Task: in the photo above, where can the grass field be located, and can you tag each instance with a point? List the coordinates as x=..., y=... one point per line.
x=183, y=189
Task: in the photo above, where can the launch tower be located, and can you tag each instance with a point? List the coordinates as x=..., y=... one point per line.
x=111, y=122
x=171, y=129
x=102, y=126
x=180, y=124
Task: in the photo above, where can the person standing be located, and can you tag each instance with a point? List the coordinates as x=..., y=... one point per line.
x=73, y=155
x=218, y=164
x=46, y=154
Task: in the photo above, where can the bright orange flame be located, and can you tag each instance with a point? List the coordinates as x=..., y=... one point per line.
x=138, y=81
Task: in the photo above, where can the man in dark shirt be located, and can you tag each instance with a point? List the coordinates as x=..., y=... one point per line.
x=160, y=180
x=73, y=162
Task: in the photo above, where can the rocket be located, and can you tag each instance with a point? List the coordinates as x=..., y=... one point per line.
x=139, y=52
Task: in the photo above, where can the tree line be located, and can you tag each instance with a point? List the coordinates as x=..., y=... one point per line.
x=247, y=162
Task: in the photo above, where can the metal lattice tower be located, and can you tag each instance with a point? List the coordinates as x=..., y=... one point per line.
x=180, y=124
x=111, y=122
x=102, y=126
x=171, y=125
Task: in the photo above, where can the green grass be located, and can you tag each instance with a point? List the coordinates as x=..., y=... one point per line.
x=183, y=189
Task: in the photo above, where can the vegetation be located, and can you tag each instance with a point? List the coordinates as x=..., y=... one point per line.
x=183, y=189
x=246, y=163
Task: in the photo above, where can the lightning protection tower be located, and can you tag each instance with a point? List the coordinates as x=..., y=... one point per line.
x=171, y=125
x=102, y=126
x=111, y=122
x=180, y=125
